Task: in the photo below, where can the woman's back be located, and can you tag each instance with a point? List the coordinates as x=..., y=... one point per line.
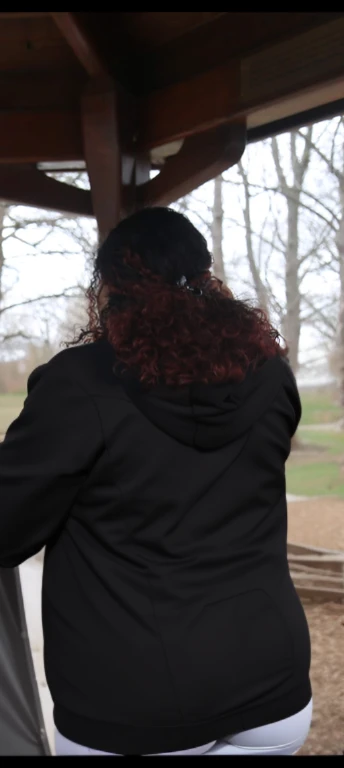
x=151, y=463
x=173, y=597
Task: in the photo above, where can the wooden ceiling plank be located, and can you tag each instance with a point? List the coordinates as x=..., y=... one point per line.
x=233, y=34
x=40, y=136
x=153, y=29
x=299, y=65
x=26, y=185
x=200, y=104
x=200, y=159
x=23, y=14
x=73, y=28
x=40, y=91
x=33, y=45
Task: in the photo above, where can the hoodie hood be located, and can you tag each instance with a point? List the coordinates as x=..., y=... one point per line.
x=209, y=416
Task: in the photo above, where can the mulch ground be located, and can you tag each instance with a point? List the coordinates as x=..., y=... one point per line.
x=326, y=623
x=320, y=523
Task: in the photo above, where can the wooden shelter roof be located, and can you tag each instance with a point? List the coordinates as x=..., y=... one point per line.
x=73, y=85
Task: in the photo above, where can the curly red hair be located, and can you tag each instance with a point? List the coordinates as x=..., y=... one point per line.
x=164, y=333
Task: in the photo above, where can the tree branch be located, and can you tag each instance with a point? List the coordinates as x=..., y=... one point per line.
x=62, y=295
x=304, y=163
x=277, y=161
x=18, y=335
x=320, y=313
x=338, y=174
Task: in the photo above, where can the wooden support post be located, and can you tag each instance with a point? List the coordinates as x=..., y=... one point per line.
x=103, y=152
x=115, y=171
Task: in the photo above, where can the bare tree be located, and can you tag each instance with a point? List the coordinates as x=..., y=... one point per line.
x=44, y=233
x=74, y=319
x=292, y=237
x=209, y=217
x=333, y=159
x=217, y=231
x=288, y=232
x=340, y=246
x=292, y=193
x=253, y=259
x=3, y=210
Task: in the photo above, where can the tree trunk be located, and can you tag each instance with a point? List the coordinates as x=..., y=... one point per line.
x=292, y=195
x=217, y=231
x=3, y=212
x=340, y=248
x=292, y=328
x=259, y=286
x=292, y=289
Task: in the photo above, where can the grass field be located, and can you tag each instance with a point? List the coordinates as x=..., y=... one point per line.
x=10, y=406
x=319, y=407
x=317, y=470
x=320, y=478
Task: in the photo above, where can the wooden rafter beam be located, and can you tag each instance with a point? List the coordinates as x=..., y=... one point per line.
x=308, y=62
x=298, y=65
x=76, y=32
x=196, y=105
x=200, y=159
x=39, y=136
x=26, y=185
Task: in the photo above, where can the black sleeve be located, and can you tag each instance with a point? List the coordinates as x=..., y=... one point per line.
x=294, y=394
x=46, y=456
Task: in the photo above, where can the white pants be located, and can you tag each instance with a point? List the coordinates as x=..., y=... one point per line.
x=285, y=737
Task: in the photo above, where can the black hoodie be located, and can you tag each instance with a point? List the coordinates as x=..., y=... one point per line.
x=169, y=615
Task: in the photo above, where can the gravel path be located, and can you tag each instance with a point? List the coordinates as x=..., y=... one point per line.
x=318, y=522
x=332, y=426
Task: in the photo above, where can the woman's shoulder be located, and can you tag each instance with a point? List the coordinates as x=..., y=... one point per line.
x=88, y=364
x=80, y=354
